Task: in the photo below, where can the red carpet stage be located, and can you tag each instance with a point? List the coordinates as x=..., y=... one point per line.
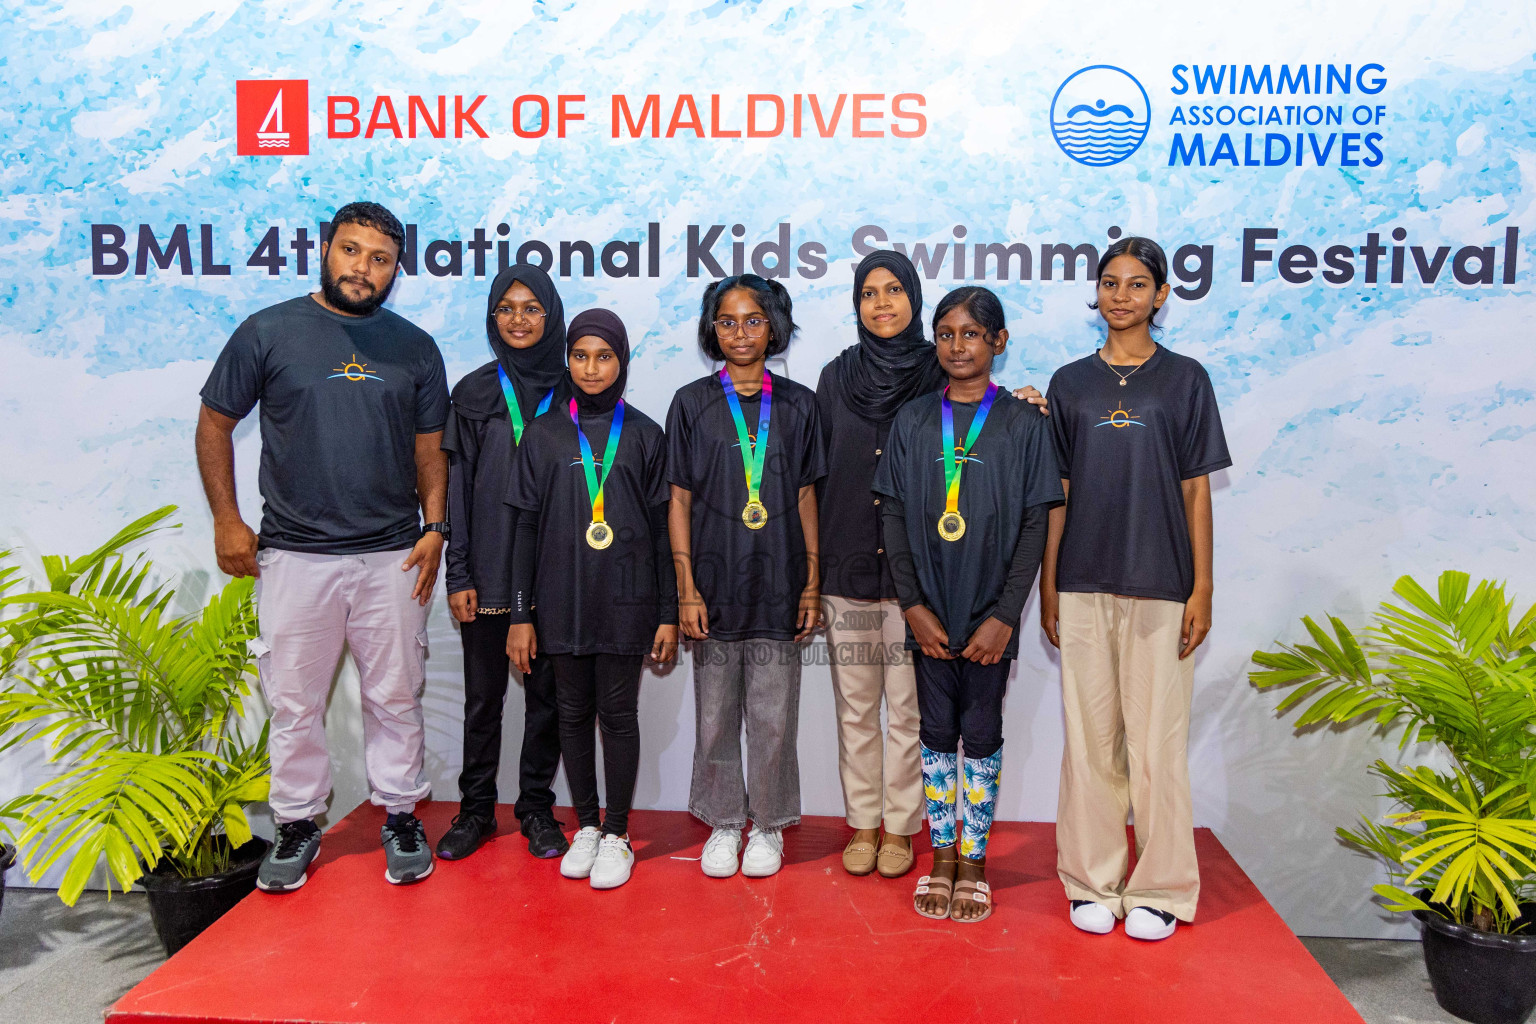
x=502, y=937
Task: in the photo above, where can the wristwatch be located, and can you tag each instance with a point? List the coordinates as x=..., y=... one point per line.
x=441, y=528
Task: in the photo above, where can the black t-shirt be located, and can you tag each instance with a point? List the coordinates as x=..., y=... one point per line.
x=1011, y=467
x=1126, y=450
x=750, y=579
x=593, y=601
x=342, y=400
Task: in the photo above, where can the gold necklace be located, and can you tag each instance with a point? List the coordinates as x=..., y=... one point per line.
x=1124, y=376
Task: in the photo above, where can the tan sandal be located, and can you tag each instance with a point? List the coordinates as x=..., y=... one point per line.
x=937, y=887
x=859, y=857
x=973, y=892
x=895, y=860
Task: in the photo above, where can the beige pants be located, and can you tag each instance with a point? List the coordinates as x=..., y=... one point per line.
x=882, y=770
x=1126, y=697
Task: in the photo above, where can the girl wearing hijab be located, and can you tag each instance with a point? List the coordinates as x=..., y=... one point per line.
x=592, y=555
x=858, y=396
x=744, y=455
x=525, y=324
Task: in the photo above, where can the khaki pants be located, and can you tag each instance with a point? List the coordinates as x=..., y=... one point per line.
x=882, y=770
x=1126, y=697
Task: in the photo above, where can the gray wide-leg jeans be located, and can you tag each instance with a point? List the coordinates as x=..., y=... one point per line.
x=755, y=683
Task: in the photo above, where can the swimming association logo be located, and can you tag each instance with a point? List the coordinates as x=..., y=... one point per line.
x=1120, y=418
x=272, y=117
x=354, y=370
x=1100, y=115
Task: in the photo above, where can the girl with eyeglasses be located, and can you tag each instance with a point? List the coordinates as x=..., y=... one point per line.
x=744, y=455
x=525, y=325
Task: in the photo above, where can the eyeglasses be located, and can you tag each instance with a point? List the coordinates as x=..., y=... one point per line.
x=507, y=313
x=752, y=327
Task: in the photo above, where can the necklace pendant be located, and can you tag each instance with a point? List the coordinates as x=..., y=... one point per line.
x=1122, y=382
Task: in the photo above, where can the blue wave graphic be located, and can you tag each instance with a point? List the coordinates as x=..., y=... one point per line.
x=1088, y=138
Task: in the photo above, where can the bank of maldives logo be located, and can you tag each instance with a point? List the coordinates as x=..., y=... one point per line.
x=272, y=117
x=1100, y=115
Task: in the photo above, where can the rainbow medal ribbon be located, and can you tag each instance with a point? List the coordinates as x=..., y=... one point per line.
x=599, y=533
x=952, y=523
x=754, y=514
x=515, y=410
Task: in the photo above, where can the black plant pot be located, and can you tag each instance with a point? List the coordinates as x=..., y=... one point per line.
x=1480, y=976
x=182, y=908
x=7, y=858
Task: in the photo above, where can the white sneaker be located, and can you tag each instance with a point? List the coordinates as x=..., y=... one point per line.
x=1151, y=925
x=1092, y=917
x=578, y=860
x=765, y=853
x=615, y=861
x=721, y=852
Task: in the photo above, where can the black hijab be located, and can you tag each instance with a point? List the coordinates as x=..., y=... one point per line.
x=600, y=323
x=533, y=370
x=880, y=375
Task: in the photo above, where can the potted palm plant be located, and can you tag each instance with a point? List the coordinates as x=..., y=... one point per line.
x=142, y=712
x=1456, y=670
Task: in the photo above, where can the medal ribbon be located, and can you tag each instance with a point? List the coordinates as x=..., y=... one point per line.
x=752, y=456
x=953, y=464
x=594, y=485
x=515, y=410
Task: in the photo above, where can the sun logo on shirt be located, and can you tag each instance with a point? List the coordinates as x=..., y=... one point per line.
x=596, y=461
x=1120, y=418
x=751, y=440
x=961, y=456
x=354, y=370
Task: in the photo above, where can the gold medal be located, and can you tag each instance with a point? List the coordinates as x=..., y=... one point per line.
x=951, y=526
x=599, y=535
x=755, y=515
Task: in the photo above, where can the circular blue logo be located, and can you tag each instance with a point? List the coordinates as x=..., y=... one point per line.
x=1100, y=115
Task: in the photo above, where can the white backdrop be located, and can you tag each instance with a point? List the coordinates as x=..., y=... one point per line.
x=1379, y=425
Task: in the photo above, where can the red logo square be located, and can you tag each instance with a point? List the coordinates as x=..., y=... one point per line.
x=272, y=117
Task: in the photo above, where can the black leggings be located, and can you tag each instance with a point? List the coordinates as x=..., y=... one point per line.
x=604, y=687
x=485, y=692
x=959, y=700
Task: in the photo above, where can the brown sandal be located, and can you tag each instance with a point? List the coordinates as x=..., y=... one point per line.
x=926, y=883
x=973, y=892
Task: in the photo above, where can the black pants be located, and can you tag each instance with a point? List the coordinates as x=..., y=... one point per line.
x=604, y=687
x=486, y=666
x=960, y=700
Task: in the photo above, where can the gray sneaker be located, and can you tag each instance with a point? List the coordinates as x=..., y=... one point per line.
x=406, y=852
x=286, y=865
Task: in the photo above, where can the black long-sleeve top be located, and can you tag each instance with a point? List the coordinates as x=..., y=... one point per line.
x=589, y=600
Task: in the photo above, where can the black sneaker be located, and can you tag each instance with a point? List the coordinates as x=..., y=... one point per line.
x=545, y=840
x=285, y=867
x=465, y=835
x=407, y=856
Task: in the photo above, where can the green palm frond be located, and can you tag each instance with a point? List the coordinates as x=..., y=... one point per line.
x=1452, y=668
x=142, y=710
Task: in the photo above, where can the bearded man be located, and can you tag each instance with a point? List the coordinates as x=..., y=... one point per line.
x=353, y=402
